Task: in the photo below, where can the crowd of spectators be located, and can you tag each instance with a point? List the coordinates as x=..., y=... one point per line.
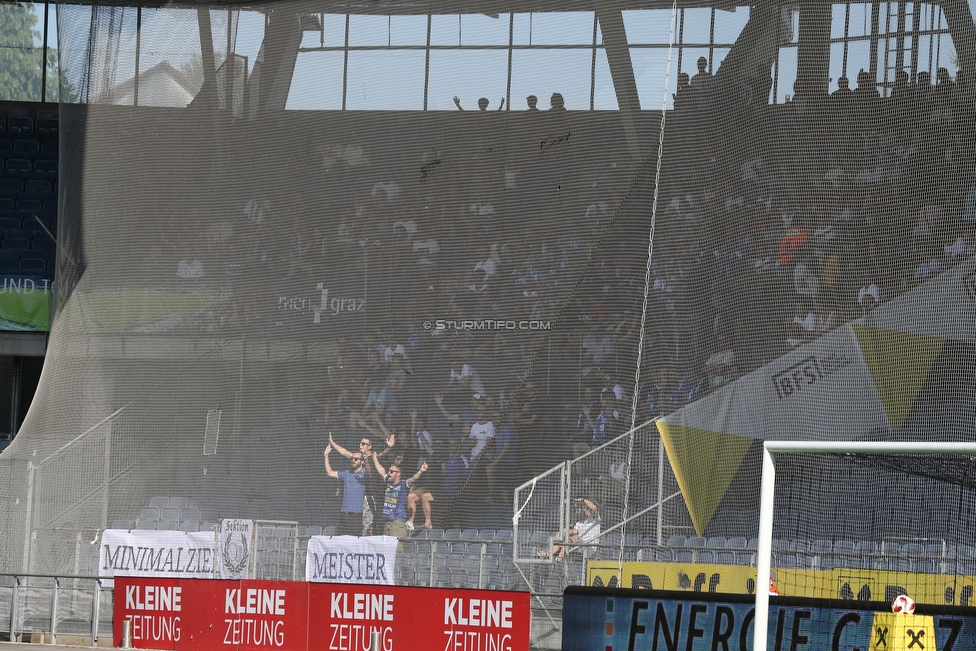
x=774, y=225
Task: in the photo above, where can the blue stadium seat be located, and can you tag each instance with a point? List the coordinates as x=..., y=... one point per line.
x=676, y=541
x=159, y=501
x=46, y=125
x=21, y=112
x=37, y=185
x=23, y=145
x=19, y=233
x=17, y=165
x=146, y=525
x=504, y=535
x=486, y=535
x=150, y=513
x=9, y=223
x=169, y=513
x=32, y=205
x=20, y=124
x=11, y=186
x=735, y=543
x=42, y=165
x=715, y=542
x=16, y=243
x=695, y=542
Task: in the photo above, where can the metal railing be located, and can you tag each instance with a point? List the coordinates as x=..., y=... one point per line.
x=54, y=605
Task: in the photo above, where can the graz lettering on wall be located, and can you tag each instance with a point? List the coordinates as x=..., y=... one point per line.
x=325, y=306
x=807, y=372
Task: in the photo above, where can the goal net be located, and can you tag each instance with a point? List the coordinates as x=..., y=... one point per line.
x=866, y=522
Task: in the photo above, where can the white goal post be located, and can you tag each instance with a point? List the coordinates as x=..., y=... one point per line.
x=765, y=543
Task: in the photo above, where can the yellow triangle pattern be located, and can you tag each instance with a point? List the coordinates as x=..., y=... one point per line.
x=899, y=363
x=704, y=464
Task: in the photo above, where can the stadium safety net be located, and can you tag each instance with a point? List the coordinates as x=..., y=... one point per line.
x=686, y=229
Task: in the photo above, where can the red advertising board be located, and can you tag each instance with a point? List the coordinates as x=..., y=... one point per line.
x=196, y=614
x=200, y=614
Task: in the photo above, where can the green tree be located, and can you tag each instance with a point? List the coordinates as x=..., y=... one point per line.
x=21, y=56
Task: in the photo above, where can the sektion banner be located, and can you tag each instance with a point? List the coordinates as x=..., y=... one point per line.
x=348, y=559
x=236, y=537
x=195, y=615
x=157, y=553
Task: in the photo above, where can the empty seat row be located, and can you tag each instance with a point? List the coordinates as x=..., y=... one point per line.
x=484, y=535
x=17, y=142
x=26, y=124
x=170, y=513
x=40, y=167
x=24, y=112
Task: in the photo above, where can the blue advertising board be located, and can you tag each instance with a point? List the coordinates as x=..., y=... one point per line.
x=602, y=619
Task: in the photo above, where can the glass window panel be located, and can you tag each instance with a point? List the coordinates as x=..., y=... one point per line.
x=562, y=28
x=837, y=14
x=858, y=59
x=604, y=95
x=408, y=30
x=450, y=76
x=689, y=59
x=836, y=69
x=73, y=45
x=649, y=26
x=924, y=50
x=946, y=51
x=311, y=39
x=718, y=56
x=317, y=82
x=250, y=34
x=478, y=29
x=52, y=89
x=335, y=30
x=445, y=30
x=860, y=20
x=544, y=72
x=787, y=74
x=650, y=71
x=599, y=34
x=698, y=22
x=385, y=81
x=369, y=30
x=522, y=29
x=171, y=66
x=729, y=24
x=20, y=52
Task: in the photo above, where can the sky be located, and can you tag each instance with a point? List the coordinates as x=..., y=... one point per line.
x=469, y=58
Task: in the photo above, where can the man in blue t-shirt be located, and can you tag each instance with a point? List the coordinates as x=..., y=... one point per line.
x=395, y=499
x=353, y=493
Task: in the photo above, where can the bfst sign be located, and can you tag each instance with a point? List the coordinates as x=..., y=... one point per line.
x=648, y=620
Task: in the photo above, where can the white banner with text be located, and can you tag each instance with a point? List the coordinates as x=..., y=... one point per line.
x=172, y=554
x=349, y=559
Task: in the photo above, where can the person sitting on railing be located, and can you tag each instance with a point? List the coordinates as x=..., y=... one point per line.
x=586, y=530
